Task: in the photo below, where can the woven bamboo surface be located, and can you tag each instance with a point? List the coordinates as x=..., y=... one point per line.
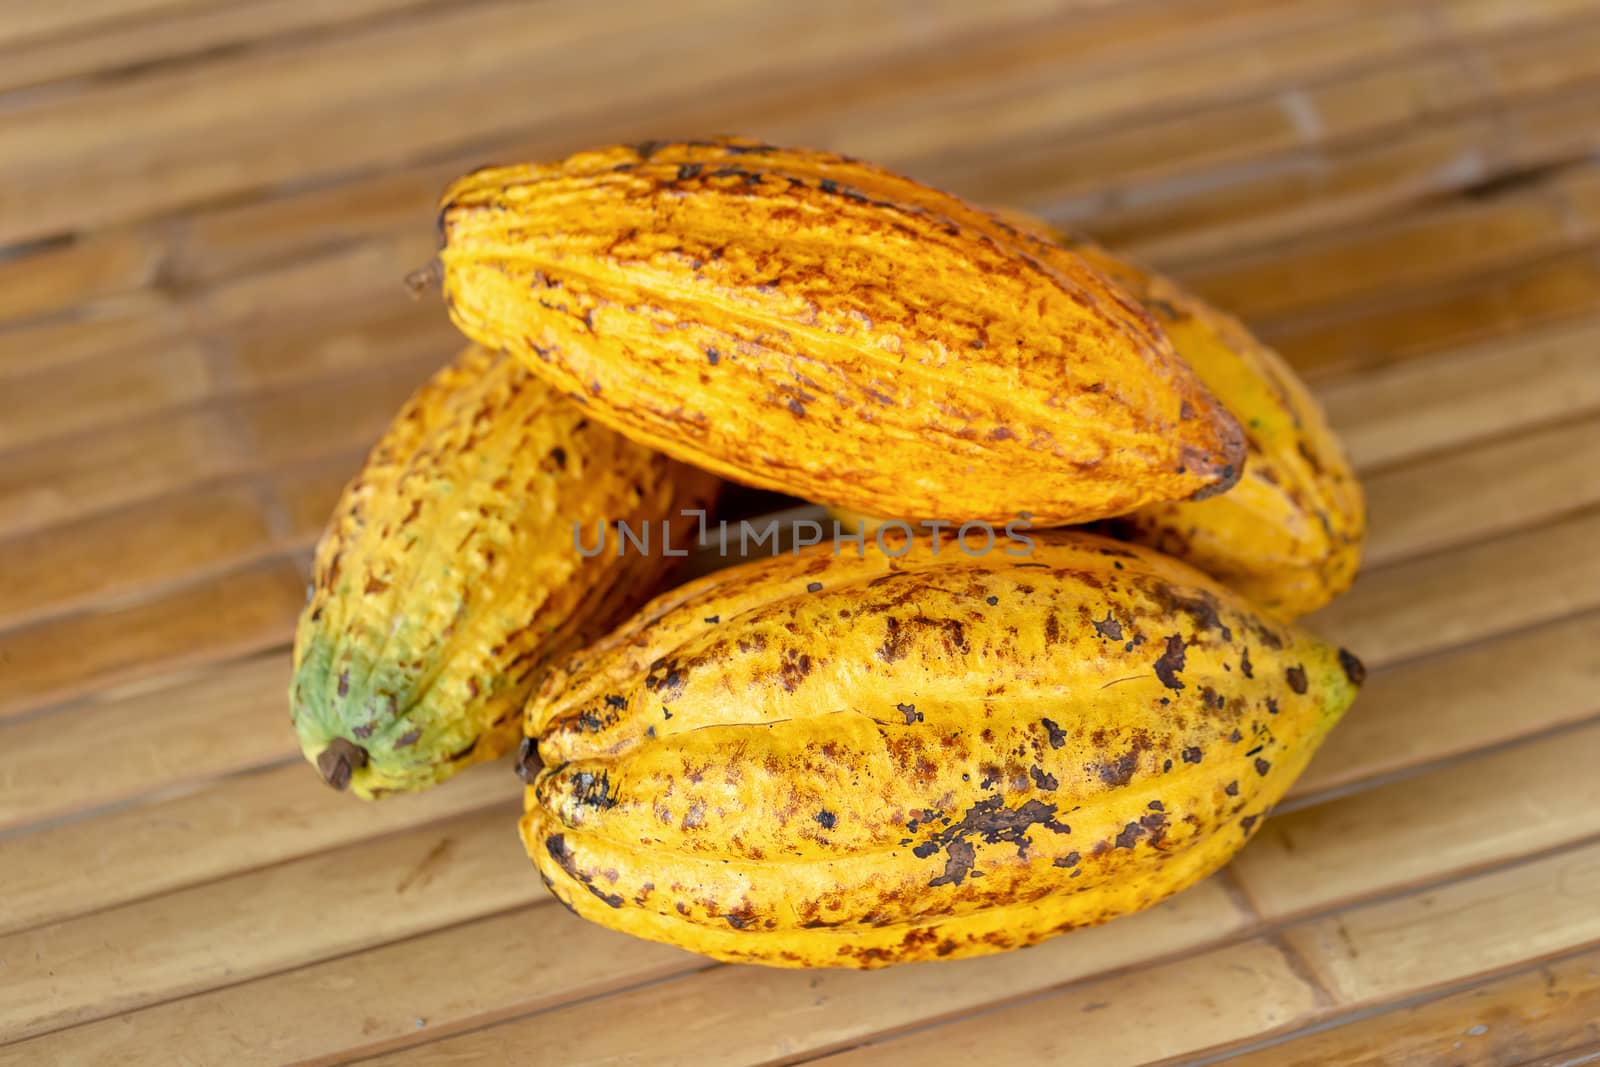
x=205, y=213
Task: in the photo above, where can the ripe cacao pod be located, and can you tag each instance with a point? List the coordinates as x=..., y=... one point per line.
x=808, y=323
x=449, y=577
x=822, y=760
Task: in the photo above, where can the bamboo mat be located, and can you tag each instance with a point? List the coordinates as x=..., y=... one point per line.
x=205, y=213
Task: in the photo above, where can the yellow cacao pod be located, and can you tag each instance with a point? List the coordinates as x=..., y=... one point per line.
x=821, y=760
x=1289, y=535
x=808, y=323
x=449, y=575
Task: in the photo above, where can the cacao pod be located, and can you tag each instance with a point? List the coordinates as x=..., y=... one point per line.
x=821, y=760
x=449, y=577
x=808, y=323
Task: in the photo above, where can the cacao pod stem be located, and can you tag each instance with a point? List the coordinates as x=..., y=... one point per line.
x=528, y=761
x=425, y=278
x=339, y=760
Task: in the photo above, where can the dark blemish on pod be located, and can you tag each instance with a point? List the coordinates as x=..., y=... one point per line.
x=1120, y=770
x=1232, y=788
x=995, y=824
x=593, y=790
x=1130, y=835
x=1171, y=662
x=1262, y=766
x=1354, y=669
x=344, y=683
x=910, y=712
x=339, y=760
x=1255, y=750
x=1071, y=859
x=1052, y=631
x=363, y=731
x=556, y=846
x=992, y=601
x=895, y=641
x=558, y=456
x=1245, y=666
x=614, y=701
x=1156, y=805
x=687, y=171
x=1192, y=754
x=738, y=922
x=827, y=819
x=813, y=587
x=1297, y=679
x=1057, y=735
x=1167, y=766
x=1248, y=822
x=407, y=739
x=1203, y=610
x=712, y=619
x=1109, y=627
x=1236, y=736
x=712, y=356
x=1043, y=779
x=1272, y=706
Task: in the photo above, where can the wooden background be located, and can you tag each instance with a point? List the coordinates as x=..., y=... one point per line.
x=205, y=213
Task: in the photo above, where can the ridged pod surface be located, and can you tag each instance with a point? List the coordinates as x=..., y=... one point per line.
x=808, y=323
x=1289, y=534
x=824, y=760
x=448, y=577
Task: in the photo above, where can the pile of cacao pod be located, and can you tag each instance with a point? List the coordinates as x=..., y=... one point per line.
x=918, y=742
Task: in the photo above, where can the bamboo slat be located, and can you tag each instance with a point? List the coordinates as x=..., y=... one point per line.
x=1494, y=809
x=324, y=905
x=1469, y=593
x=1532, y=1013
x=1487, y=693
x=241, y=612
x=1404, y=947
x=175, y=30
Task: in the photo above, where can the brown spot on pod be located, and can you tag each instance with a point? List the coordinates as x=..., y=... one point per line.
x=1057, y=735
x=1171, y=662
x=1297, y=679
